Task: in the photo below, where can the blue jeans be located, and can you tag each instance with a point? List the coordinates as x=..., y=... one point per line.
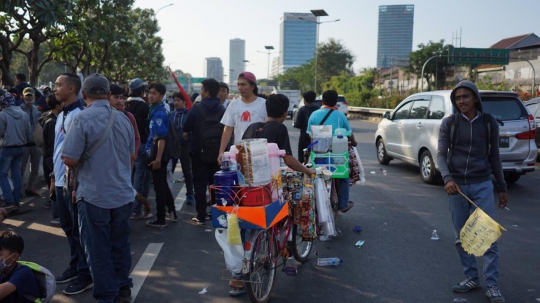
x=105, y=236
x=461, y=209
x=69, y=218
x=11, y=160
x=141, y=176
x=343, y=192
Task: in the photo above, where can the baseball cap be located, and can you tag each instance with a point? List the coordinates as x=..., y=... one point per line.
x=248, y=76
x=96, y=84
x=116, y=89
x=29, y=91
x=136, y=83
x=224, y=85
x=42, y=101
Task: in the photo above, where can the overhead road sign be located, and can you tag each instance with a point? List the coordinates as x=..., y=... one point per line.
x=462, y=55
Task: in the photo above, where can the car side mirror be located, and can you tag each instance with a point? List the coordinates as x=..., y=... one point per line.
x=386, y=115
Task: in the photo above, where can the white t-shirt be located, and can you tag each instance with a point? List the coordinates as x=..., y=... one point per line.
x=240, y=115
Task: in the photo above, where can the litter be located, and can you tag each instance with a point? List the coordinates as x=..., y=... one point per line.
x=203, y=291
x=507, y=208
x=357, y=228
x=384, y=172
x=514, y=225
x=538, y=299
x=316, y=253
x=434, y=236
x=208, y=230
x=459, y=300
x=359, y=243
x=372, y=172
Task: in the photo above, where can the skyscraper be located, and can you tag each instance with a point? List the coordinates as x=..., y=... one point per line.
x=298, y=39
x=237, y=55
x=395, y=35
x=214, y=68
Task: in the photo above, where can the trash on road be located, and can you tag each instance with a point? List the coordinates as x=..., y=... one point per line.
x=459, y=300
x=208, y=230
x=384, y=172
x=372, y=172
x=514, y=225
x=507, y=208
x=434, y=235
x=203, y=291
x=357, y=228
x=359, y=243
x=329, y=261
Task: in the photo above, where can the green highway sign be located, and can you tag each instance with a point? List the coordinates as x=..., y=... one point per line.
x=196, y=80
x=478, y=56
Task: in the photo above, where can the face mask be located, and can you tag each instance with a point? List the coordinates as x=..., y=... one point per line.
x=3, y=265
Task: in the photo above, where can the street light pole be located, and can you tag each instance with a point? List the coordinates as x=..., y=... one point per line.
x=268, y=52
x=171, y=4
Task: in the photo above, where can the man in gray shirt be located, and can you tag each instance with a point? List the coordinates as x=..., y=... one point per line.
x=104, y=193
x=31, y=151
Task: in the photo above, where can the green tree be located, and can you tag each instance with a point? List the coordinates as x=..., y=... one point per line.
x=420, y=56
x=333, y=59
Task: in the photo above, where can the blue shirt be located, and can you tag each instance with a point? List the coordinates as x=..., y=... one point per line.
x=25, y=282
x=61, y=128
x=104, y=180
x=337, y=119
x=159, y=125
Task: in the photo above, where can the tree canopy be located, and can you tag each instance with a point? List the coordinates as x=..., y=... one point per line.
x=420, y=56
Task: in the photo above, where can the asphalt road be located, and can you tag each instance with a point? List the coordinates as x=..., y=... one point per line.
x=398, y=262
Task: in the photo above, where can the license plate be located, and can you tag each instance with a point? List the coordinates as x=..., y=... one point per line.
x=504, y=142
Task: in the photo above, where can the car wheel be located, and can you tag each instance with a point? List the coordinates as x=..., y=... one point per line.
x=511, y=178
x=427, y=168
x=382, y=156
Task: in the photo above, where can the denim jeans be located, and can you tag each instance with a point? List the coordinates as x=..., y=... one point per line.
x=69, y=221
x=32, y=153
x=105, y=235
x=461, y=209
x=10, y=160
x=343, y=192
x=141, y=176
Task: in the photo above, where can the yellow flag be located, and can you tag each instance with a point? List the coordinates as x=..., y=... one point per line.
x=479, y=232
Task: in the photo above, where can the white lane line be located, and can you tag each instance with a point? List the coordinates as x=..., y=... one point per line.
x=143, y=267
x=180, y=198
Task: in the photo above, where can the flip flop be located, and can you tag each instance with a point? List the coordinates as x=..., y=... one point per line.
x=346, y=209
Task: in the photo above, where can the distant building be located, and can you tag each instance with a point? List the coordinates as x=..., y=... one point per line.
x=214, y=68
x=298, y=39
x=274, y=71
x=395, y=36
x=237, y=55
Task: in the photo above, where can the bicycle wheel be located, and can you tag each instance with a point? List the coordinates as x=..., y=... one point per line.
x=300, y=248
x=334, y=200
x=262, y=273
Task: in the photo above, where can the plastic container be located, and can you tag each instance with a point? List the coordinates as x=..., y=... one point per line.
x=274, y=159
x=329, y=261
x=255, y=196
x=252, y=157
x=225, y=180
x=338, y=164
x=340, y=145
x=322, y=134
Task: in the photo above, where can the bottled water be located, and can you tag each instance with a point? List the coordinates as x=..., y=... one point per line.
x=329, y=261
x=434, y=236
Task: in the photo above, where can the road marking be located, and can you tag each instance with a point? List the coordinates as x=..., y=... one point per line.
x=180, y=198
x=48, y=229
x=143, y=267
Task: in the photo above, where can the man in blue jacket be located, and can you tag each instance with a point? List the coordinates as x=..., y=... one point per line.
x=155, y=147
x=466, y=165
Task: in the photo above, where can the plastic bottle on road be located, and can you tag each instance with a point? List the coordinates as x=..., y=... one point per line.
x=329, y=261
x=434, y=236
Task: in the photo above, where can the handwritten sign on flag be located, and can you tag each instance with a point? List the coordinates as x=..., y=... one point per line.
x=479, y=232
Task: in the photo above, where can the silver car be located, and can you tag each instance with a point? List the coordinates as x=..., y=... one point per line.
x=410, y=133
x=534, y=107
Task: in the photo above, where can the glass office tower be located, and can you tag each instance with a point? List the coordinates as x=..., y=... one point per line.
x=395, y=35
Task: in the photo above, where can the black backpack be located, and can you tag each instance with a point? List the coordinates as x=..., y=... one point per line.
x=210, y=132
x=172, y=143
x=142, y=122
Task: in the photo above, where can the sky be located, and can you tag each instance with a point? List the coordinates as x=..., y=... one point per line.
x=193, y=30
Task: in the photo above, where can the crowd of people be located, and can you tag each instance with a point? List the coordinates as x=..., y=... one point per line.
x=101, y=146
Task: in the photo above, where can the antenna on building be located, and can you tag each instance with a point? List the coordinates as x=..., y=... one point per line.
x=457, y=37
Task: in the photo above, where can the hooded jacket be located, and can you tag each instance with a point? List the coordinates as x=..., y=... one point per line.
x=193, y=121
x=471, y=162
x=15, y=127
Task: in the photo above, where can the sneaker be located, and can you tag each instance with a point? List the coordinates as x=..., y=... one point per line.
x=173, y=216
x=47, y=204
x=124, y=294
x=494, y=295
x=8, y=206
x=68, y=275
x=236, y=292
x=466, y=285
x=156, y=223
x=209, y=216
x=31, y=193
x=55, y=221
x=78, y=286
x=196, y=221
x=190, y=200
x=346, y=209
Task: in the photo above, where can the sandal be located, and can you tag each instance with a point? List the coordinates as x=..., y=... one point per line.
x=346, y=209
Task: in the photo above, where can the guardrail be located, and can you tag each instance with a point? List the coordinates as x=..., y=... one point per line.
x=369, y=110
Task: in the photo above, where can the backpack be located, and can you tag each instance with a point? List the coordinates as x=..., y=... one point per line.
x=142, y=122
x=210, y=132
x=45, y=280
x=172, y=143
x=455, y=123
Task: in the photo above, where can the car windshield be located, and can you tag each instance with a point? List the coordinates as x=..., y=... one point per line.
x=533, y=108
x=504, y=107
x=341, y=99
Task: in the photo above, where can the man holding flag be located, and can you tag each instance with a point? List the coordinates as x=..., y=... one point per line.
x=466, y=160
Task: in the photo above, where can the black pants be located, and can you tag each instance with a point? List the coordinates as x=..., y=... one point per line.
x=47, y=170
x=303, y=142
x=185, y=162
x=203, y=175
x=164, y=196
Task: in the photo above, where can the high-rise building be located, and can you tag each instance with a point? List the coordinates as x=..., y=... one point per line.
x=214, y=68
x=237, y=56
x=274, y=71
x=298, y=39
x=395, y=35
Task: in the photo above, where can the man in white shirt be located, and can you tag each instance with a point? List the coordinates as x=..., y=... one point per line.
x=242, y=112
